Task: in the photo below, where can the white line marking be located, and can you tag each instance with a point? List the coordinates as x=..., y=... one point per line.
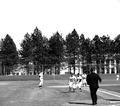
x=109, y=93
x=63, y=86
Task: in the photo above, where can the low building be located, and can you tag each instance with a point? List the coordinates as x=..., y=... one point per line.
x=21, y=70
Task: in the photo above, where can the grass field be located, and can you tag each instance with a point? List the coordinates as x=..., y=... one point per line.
x=27, y=93
x=24, y=91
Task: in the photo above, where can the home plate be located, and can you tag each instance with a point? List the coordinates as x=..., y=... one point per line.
x=59, y=86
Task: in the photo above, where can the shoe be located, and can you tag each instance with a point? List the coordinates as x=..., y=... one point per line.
x=80, y=90
x=94, y=103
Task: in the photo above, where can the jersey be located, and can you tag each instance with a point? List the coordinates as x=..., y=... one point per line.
x=84, y=76
x=71, y=79
x=41, y=75
x=74, y=82
x=79, y=79
x=41, y=79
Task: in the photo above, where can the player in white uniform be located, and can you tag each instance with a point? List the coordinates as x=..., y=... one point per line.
x=79, y=81
x=41, y=79
x=84, y=79
x=117, y=77
x=71, y=82
x=74, y=83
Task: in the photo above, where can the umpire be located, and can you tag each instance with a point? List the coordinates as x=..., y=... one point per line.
x=92, y=81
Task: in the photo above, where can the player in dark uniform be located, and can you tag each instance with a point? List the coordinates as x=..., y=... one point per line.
x=92, y=81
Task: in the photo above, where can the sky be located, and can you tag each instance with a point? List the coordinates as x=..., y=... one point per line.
x=88, y=17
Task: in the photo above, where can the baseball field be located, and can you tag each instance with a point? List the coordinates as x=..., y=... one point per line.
x=24, y=91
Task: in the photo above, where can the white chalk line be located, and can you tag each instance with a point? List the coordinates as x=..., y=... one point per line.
x=107, y=92
x=59, y=86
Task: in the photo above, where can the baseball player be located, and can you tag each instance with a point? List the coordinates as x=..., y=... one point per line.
x=79, y=81
x=74, y=83
x=84, y=79
x=41, y=79
x=117, y=77
x=71, y=82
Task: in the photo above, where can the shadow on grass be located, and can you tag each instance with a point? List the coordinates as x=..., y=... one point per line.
x=66, y=92
x=80, y=103
x=112, y=99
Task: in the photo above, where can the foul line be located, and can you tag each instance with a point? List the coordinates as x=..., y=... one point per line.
x=62, y=86
x=109, y=93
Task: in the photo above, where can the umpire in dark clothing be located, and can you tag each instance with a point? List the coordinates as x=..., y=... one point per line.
x=92, y=81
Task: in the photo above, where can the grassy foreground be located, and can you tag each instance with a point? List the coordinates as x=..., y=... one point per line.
x=24, y=91
x=27, y=93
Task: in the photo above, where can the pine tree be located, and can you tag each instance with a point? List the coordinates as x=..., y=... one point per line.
x=56, y=43
x=97, y=51
x=26, y=51
x=37, y=49
x=72, y=44
x=9, y=54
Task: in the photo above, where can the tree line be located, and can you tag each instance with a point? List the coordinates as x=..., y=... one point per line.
x=49, y=53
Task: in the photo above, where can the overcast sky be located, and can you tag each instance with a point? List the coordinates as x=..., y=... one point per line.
x=90, y=17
